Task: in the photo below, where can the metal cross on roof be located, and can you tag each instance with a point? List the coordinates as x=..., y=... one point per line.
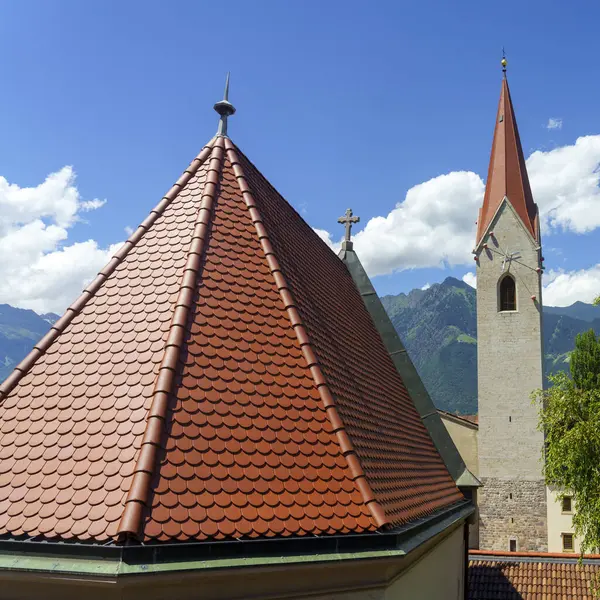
x=348, y=220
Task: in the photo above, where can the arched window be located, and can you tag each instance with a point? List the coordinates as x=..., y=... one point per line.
x=508, y=293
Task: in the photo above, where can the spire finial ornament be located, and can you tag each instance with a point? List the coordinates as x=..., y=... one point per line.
x=503, y=62
x=225, y=109
x=348, y=220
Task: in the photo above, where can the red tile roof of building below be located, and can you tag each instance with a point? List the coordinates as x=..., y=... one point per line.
x=531, y=576
x=540, y=555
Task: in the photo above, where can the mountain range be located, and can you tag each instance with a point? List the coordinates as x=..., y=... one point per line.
x=438, y=327
x=20, y=329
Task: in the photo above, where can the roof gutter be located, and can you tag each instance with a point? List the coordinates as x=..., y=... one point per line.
x=119, y=561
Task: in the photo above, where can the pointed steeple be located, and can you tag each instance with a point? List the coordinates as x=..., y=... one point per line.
x=507, y=174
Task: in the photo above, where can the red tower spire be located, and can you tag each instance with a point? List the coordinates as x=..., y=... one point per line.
x=507, y=174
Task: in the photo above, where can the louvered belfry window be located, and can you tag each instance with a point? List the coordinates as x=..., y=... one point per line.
x=508, y=294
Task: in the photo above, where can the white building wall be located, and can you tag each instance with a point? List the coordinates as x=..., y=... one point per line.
x=558, y=522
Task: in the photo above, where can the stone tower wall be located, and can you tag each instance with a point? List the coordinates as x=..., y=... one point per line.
x=521, y=517
x=509, y=358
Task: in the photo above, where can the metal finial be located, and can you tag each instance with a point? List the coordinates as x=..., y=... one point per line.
x=225, y=109
x=226, y=93
x=503, y=62
x=348, y=220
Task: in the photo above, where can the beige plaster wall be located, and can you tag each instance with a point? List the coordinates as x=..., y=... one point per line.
x=558, y=522
x=439, y=575
x=464, y=436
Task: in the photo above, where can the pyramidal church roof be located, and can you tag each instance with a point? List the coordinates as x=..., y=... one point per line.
x=507, y=173
x=220, y=379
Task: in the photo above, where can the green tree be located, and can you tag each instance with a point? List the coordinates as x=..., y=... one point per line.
x=570, y=420
x=597, y=301
x=585, y=361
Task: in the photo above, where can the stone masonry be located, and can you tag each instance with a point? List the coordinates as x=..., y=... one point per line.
x=512, y=509
x=509, y=359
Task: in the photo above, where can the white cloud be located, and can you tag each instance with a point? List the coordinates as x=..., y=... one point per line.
x=426, y=286
x=88, y=205
x=435, y=224
x=565, y=184
x=563, y=288
x=129, y=230
x=326, y=237
x=37, y=269
x=554, y=123
x=560, y=287
x=470, y=279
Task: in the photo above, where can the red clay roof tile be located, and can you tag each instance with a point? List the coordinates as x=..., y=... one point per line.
x=221, y=378
x=531, y=579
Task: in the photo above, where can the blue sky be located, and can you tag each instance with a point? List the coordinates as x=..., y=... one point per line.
x=339, y=104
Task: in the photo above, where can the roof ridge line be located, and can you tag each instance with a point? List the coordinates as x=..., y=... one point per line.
x=505, y=101
x=343, y=439
x=139, y=490
x=75, y=308
x=519, y=149
x=480, y=214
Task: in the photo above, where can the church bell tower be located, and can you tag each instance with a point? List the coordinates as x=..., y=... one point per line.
x=508, y=258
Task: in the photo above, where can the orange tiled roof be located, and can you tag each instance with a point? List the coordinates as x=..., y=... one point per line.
x=507, y=173
x=533, y=578
x=220, y=379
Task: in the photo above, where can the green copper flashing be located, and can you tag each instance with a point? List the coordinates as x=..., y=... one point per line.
x=53, y=564
x=405, y=367
x=114, y=568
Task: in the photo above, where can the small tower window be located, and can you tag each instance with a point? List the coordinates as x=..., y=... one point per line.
x=512, y=545
x=508, y=293
x=567, y=504
x=567, y=542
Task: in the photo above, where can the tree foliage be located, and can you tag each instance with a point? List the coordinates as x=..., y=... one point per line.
x=570, y=420
x=597, y=301
x=585, y=361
